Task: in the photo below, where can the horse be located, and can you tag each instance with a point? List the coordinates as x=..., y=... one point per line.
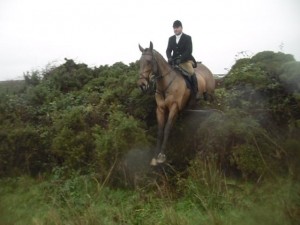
x=172, y=94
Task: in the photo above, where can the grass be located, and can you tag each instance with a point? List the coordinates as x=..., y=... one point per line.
x=205, y=197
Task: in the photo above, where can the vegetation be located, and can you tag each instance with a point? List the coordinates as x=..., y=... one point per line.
x=76, y=141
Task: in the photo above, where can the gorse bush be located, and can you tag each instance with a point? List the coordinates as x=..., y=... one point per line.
x=64, y=113
x=22, y=151
x=87, y=135
x=259, y=110
x=69, y=76
x=87, y=119
x=238, y=144
x=259, y=85
x=122, y=134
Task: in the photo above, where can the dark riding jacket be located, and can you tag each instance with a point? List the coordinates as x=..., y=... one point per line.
x=182, y=50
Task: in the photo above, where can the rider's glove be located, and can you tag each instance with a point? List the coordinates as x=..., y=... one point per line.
x=177, y=61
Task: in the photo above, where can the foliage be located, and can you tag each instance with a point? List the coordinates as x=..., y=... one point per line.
x=22, y=151
x=65, y=112
x=260, y=107
x=11, y=87
x=122, y=134
x=259, y=85
x=290, y=76
x=85, y=133
x=87, y=118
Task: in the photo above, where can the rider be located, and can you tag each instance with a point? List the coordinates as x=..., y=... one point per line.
x=181, y=46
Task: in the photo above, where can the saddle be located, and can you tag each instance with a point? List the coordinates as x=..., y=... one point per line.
x=186, y=75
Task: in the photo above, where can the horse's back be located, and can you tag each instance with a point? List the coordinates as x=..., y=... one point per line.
x=207, y=75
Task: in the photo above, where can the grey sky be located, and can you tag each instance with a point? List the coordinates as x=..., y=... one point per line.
x=34, y=33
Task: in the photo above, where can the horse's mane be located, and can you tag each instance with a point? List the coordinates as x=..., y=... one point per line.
x=157, y=54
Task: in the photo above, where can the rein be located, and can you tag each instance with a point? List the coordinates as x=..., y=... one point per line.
x=156, y=77
x=154, y=69
x=142, y=74
x=170, y=83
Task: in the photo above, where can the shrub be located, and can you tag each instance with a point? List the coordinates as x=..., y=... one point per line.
x=122, y=134
x=73, y=144
x=21, y=151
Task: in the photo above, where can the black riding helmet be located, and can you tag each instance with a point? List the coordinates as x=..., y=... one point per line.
x=177, y=23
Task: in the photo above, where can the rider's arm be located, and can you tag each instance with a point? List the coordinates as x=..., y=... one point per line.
x=187, y=50
x=169, y=49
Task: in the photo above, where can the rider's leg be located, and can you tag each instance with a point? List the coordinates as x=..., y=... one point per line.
x=188, y=66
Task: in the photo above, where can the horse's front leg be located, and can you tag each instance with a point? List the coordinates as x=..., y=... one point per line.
x=161, y=120
x=173, y=113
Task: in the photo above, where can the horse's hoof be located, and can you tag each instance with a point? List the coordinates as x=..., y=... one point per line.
x=161, y=158
x=153, y=162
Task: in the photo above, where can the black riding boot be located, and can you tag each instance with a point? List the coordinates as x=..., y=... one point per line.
x=194, y=83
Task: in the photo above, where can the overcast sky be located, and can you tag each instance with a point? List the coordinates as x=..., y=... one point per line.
x=34, y=33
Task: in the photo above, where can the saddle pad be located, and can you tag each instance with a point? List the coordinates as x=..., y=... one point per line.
x=185, y=75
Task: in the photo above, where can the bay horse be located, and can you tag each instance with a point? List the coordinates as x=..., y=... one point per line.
x=172, y=94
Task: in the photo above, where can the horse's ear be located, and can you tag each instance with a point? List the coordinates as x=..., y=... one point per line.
x=141, y=48
x=151, y=45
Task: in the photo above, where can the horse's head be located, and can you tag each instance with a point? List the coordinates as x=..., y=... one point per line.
x=148, y=68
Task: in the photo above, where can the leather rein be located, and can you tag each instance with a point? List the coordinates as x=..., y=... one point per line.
x=156, y=77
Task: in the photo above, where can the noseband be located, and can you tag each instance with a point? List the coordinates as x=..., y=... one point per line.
x=155, y=70
x=153, y=65
x=142, y=74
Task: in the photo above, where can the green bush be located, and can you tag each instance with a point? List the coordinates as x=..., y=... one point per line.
x=89, y=117
x=21, y=151
x=73, y=144
x=122, y=134
x=255, y=85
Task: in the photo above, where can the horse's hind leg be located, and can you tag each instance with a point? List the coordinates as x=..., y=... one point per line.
x=209, y=97
x=205, y=96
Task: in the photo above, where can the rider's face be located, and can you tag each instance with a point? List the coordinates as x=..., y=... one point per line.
x=177, y=30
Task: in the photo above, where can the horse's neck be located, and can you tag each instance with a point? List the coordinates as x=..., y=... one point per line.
x=166, y=74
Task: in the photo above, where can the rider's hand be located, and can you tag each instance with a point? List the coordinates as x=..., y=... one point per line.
x=177, y=61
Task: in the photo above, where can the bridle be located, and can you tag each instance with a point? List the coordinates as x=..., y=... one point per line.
x=156, y=77
x=145, y=77
x=154, y=71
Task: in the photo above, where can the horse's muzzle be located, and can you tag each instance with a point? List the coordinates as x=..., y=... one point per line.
x=144, y=88
x=143, y=85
